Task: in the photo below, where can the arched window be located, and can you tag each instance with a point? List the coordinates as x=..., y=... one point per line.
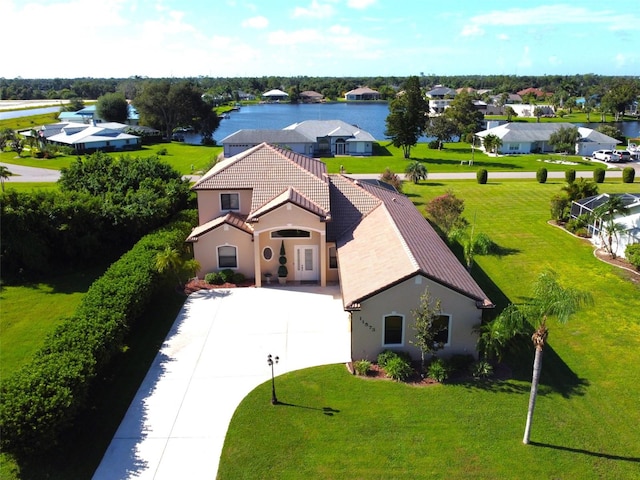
x=227, y=256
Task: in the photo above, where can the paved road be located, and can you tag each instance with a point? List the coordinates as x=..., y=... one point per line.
x=21, y=174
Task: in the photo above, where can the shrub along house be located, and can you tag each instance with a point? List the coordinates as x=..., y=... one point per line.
x=365, y=236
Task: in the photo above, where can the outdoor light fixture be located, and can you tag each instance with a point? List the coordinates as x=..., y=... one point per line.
x=271, y=361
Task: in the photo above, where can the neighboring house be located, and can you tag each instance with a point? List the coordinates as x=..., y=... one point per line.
x=275, y=95
x=630, y=222
x=309, y=96
x=440, y=98
x=90, y=115
x=368, y=238
x=83, y=138
x=536, y=91
x=311, y=137
x=527, y=110
x=362, y=93
x=534, y=138
x=245, y=96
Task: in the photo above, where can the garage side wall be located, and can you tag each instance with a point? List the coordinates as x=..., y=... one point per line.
x=367, y=339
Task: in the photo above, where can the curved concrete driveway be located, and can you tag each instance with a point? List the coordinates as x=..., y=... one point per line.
x=214, y=355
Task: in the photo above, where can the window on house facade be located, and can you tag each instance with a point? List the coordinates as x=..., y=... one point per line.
x=291, y=233
x=229, y=201
x=393, y=330
x=227, y=256
x=443, y=322
x=333, y=257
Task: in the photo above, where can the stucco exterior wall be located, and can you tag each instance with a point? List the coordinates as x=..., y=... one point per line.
x=367, y=339
x=206, y=250
x=209, y=204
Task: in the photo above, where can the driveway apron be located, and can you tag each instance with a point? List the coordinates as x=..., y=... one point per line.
x=214, y=355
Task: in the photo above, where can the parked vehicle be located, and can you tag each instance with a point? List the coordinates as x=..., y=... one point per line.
x=625, y=156
x=606, y=155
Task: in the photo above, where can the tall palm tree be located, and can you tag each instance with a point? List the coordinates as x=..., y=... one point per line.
x=4, y=175
x=606, y=214
x=170, y=259
x=416, y=171
x=549, y=300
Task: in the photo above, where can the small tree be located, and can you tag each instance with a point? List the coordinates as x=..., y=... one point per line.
x=113, y=107
x=482, y=176
x=570, y=175
x=628, y=175
x=599, y=174
x=446, y=211
x=609, y=228
x=4, y=175
x=496, y=334
x=538, y=112
x=391, y=178
x=541, y=175
x=416, y=171
x=427, y=325
x=564, y=139
x=510, y=113
x=472, y=243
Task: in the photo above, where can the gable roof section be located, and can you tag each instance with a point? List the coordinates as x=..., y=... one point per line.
x=393, y=242
x=314, y=129
x=267, y=135
x=231, y=218
x=349, y=203
x=290, y=195
x=362, y=91
x=269, y=171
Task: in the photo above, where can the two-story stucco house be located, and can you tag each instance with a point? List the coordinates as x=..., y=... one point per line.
x=363, y=235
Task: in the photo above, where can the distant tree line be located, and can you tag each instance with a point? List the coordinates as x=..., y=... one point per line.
x=562, y=86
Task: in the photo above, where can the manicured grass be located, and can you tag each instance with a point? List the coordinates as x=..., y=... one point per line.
x=587, y=417
x=33, y=121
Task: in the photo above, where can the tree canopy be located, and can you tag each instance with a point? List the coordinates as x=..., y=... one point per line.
x=166, y=105
x=564, y=139
x=464, y=115
x=113, y=107
x=408, y=117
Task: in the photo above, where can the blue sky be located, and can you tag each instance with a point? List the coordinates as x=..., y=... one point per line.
x=237, y=38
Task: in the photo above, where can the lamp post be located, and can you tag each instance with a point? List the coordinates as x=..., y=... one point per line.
x=271, y=361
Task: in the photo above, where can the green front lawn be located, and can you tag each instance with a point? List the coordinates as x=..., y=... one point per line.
x=587, y=415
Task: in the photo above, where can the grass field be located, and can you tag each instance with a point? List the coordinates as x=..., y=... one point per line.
x=587, y=421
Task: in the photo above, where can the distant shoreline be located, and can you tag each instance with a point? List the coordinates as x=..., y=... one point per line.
x=26, y=104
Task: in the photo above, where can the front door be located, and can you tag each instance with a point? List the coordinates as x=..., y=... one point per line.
x=306, y=263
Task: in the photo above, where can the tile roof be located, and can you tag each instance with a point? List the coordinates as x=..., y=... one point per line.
x=290, y=195
x=267, y=135
x=314, y=129
x=392, y=242
x=349, y=203
x=540, y=132
x=231, y=218
x=269, y=171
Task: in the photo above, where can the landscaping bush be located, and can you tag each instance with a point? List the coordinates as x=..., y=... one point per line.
x=560, y=206
x=628, y=175
x=211, y=278
x=238, y=278
x=632, y=254
x=460, y=363
x=570, y=175
x=162, y=151
x=43, y=398
x=598, y=175
x=481, y=369
x=361, y=367
x=398, y=368
x=578, y=226
x=434, y=144
x=482, y=175
x=385, y=356
x=541, y=175
x=438, y=370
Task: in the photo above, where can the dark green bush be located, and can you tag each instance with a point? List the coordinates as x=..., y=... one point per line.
x=398, y=368
x=438, y=370
x=482, y=176
x=362, y=367
x=43, y=398
x=578, y=226
x=211, y=277
x=238, y=278
x=385, y=356
x=632, y=253
x=598, y=175
x=227, y=275
x=570, y=175
x=434, y=144
x=541, y=175
x=560, y=205
x=460, y=363
x=628, y=175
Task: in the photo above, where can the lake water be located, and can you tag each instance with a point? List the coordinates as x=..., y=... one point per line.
x=27, y=113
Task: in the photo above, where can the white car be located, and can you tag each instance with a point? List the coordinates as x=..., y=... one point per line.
x=606, y=155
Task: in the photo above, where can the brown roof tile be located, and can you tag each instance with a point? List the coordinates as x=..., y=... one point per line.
x=231, y=218
x=293, y=196
x=270, y=170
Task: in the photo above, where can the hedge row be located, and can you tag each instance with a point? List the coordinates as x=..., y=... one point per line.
x=44, y=397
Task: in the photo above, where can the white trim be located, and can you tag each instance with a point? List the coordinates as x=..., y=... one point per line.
x=384, y=327
x=264, y=256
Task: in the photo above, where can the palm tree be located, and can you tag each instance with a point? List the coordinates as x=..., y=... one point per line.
x=538, y=112
x=169, y=258
x=416, y=171
x=606, y=213
x=549, y=299
x=510, y=113
x=4, y=175
x=496, y=334
x=472, y=244
x=491, y=143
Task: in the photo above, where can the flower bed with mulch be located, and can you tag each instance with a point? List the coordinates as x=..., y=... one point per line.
x=196, y=284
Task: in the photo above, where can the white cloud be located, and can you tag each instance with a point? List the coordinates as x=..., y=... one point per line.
x=256, y=22
x=503, y=37
x=554, y=60
x=548, y=15
x=315, y=10
x=360, y=4
x=620, y=60
x=471, y=31
x=339, y=30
